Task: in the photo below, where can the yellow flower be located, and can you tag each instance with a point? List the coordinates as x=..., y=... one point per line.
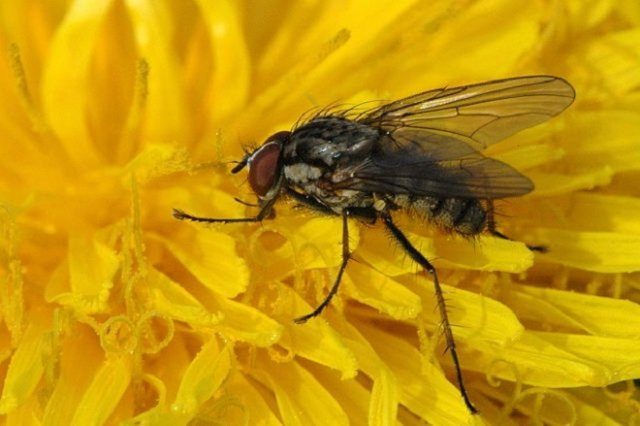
x=114, y=112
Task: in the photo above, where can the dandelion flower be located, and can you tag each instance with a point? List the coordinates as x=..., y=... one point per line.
x=114, y=112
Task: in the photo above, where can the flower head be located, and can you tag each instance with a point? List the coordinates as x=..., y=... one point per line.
x=114, y=112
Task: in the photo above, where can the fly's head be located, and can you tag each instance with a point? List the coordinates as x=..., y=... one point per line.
x=265, y=166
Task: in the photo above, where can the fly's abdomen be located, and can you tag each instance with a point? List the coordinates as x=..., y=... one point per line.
x=465, y=216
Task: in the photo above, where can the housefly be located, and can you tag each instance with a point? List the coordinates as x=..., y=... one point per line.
x=421, y=154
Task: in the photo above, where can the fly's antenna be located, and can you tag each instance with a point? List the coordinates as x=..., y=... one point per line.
x=240, y=164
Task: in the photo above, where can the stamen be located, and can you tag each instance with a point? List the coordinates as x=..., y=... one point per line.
x=129, y=143
x=12, y=296
x=24, y=94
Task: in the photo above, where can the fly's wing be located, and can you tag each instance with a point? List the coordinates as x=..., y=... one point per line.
x=418, y=163
x=479, y=114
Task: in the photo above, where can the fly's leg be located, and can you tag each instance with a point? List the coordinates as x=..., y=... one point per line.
x=448, y=334
x=310, y=202
x=491, y=227
x=346, y=255
x=263, y=213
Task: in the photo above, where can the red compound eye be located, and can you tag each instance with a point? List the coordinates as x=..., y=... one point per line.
x=264, y=166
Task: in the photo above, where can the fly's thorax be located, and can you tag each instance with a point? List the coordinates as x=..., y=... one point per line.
x=331, y=141
x=465, y=216
x=320, y=155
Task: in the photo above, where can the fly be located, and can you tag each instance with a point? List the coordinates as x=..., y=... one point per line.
x=421, y=154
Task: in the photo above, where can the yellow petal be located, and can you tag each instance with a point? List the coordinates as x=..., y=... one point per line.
x=591, y=251
x=383, y=404
x=92, y=267
x=227, y=40
x=386, y=256
x=594, y=314
x=352, y=395
x=381, y=292
x=383, y=407
x=487, y=254
x=315, y=339
x=538, y=362
x=600, y=145
x=588, y=404
x=165, y=113
x=255, y=409
x=156, y=160
x=616, y=358
x=473, y=316
x=614, y=58
x=104, y=392
x=212, y=258
x=529, y=156
x=549, y=184
x=313, y=406
x=67, y=67
x=80, y=359
x=231, y=318
x=604, y=212
x=26, y=366
x=109, y=85
x=203, y=377
x=92, y=296
x=588, y=15
x=423, y=388
x=452, y=44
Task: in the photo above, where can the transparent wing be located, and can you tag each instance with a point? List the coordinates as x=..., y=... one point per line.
x=479, y=114
x=418, y=163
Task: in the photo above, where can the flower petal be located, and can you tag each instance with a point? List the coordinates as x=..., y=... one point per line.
x=381, y=292
x=165, y=111
x=432, y=397
x=592, y=251
x=604, y=212
x=254, y=406
x=315, y=339
x=615, y=57
x=600, y=144
x=227, y=40
x=550, y=184
x=80, y=359
x=489, y=254
x=213, y=260
x=383, y=405
x=231, y=318
x=539, y=362
x=67, y=66
x=617, y=359
x=602, y=316
x=474, y=317
x=92, y=267
x=26, y=367
x=314, y=406
x=203, y=377
x=104, y=392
